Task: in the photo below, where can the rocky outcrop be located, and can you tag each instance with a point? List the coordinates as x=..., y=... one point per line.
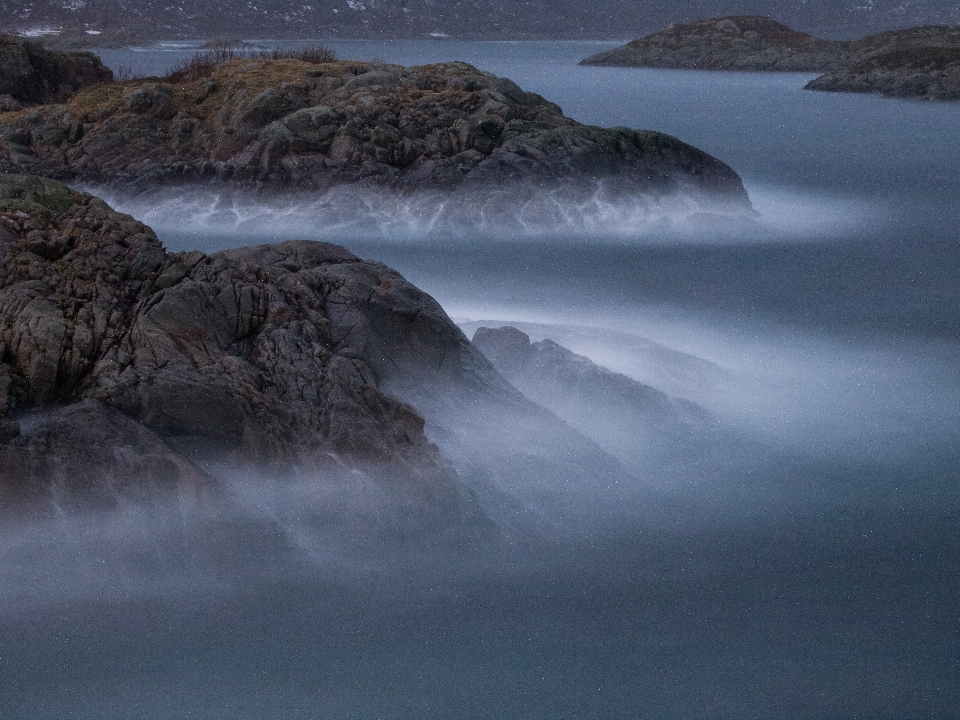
x=30, y=74
x=922, y=62
x=634, y=422
x=291, y=125
x=123, y=366
x=727, y=43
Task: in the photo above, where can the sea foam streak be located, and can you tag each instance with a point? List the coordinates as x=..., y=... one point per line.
x=364, y=211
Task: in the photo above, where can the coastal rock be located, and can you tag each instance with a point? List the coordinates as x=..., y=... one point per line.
x=921, y=62
x=727, y=43
x=634, y=422
x=30, y=74
x=271, y=125
x=127, y=360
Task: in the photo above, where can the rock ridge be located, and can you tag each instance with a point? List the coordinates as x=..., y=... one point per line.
x=271, y=125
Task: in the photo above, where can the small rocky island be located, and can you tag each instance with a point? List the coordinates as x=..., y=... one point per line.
x=920, y=62
x=726, y=43
x=288, y=125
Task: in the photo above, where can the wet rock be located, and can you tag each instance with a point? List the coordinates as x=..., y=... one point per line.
x=921, y=62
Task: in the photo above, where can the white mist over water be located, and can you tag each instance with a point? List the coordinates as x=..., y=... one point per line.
x=362, y=212
x=805, y=567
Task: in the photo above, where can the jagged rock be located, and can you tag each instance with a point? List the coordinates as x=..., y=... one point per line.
x=292, y=125
x=632, y=421
x=726, y=43
x=31, y=74
x=922, y=62
x=267, y=357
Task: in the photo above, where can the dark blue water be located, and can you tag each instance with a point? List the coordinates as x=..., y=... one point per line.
x=827, y=585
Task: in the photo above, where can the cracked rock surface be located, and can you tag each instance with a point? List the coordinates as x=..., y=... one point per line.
x=119, y=359
x=293, y=125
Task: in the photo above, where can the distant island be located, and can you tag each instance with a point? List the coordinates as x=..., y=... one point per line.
x=727, y=43
x=921, y=62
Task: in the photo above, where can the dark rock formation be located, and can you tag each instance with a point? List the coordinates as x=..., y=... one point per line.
x=30, y=74
x=632, y=421
x=727, y=43
x=271, y=124
x=119, y=360
x=922, y=62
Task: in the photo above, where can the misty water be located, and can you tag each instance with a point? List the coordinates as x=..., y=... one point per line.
x=804, y=565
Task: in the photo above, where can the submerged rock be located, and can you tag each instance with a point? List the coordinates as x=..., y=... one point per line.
x=125, y=367
x=290, y=125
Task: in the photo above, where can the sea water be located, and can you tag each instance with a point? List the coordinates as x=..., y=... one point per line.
x=826, y=589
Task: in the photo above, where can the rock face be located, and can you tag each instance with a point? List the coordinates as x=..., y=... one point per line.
x=727, y=43
x=120, y=360
x=29, y=74
x=291, y=125
x=922, y=62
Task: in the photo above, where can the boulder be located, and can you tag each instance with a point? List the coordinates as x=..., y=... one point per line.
x=30, y=74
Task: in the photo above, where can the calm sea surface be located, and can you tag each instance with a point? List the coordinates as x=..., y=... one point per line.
x=838, y=328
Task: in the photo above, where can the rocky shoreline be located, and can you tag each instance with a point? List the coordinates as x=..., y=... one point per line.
x=132, y=374
x=288, y=125
x=921, y=62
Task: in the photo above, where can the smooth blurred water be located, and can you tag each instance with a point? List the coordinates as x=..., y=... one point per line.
x=826, y=587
